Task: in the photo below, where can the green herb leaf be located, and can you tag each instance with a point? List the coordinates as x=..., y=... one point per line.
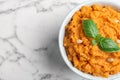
x=90, y=28
x=94, y=42
x=108, y=45
x=98, y=37
x=105, y=44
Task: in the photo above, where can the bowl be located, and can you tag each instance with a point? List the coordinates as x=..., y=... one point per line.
x=112, y=3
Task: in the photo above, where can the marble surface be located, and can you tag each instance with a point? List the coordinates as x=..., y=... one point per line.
x=28, y=39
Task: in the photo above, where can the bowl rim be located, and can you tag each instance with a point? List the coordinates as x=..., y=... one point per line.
x=61, y=37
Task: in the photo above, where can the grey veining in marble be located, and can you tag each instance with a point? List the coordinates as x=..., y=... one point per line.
x=28, y=39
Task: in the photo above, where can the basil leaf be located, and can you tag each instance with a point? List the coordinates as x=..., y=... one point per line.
x=98, y=37
x=108, y=45
x=90, y=28
x=94, y=42
x=105, y=44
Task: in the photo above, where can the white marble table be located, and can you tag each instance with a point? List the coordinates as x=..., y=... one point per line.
x=28, y=39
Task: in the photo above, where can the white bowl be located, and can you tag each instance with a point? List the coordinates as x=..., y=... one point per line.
x=61, y=37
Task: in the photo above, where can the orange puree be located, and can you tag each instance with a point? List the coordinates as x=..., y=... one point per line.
x=80, y=51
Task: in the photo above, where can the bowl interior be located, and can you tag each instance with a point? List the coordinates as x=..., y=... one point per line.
x=62, y=32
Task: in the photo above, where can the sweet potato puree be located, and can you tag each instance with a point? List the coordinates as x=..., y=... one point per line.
x=80, y=51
